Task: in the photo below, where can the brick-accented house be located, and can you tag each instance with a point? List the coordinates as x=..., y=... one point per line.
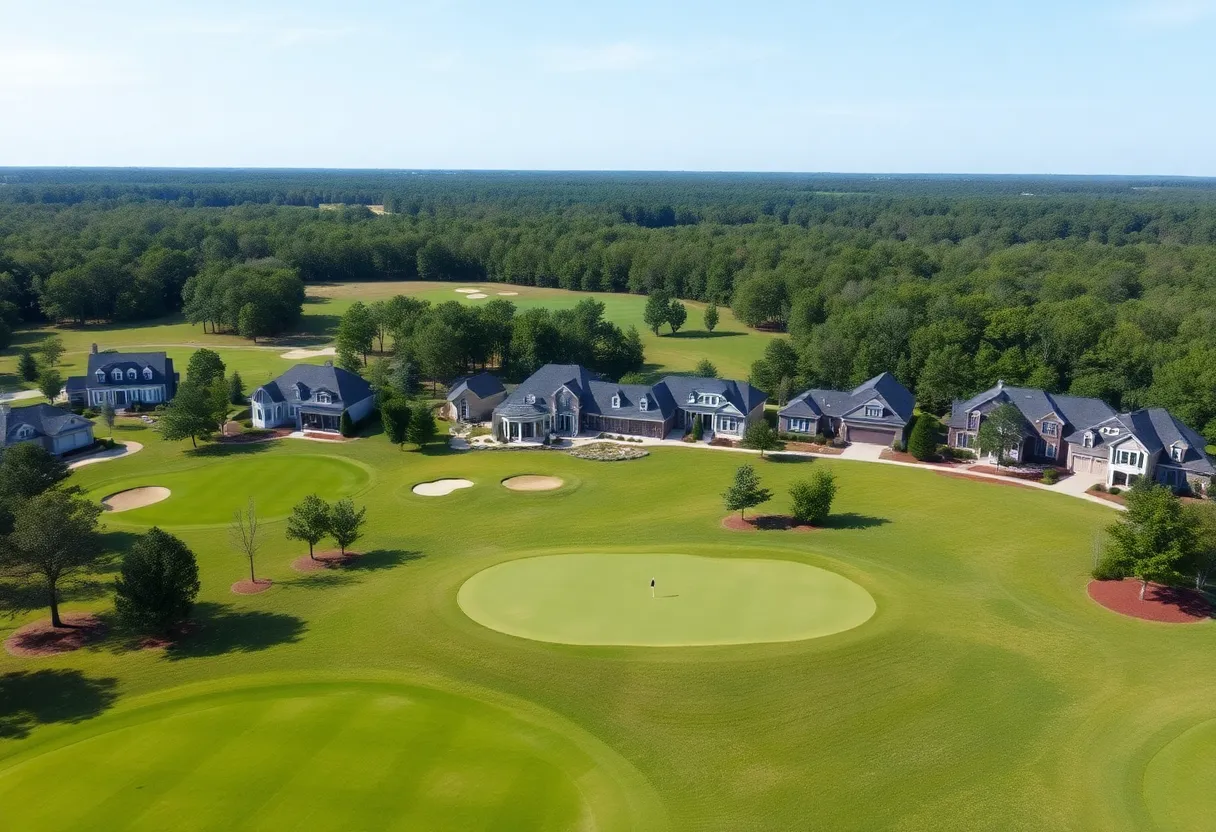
x=473, y=398
x=1051, y=420
x=123, y=379
x=1146, y=443
x=876, y=412
x=566, y=399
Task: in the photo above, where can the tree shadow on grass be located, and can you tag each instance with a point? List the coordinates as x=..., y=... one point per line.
x=701, y=333
x=438, y=449
x=379, y=559
x=130, y=427
x=222, y=630
x=324, y=579
x=40, y=697
x=852, y=520
x=788, y=458
x=225, y=449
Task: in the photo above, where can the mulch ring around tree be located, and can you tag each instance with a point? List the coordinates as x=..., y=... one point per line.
x=39, y=638
x=332, y=559
x=168, y=640
x=765, y=523
x=252, y=587
x=1167, y=604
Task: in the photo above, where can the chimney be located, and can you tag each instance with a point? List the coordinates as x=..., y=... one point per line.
x=1000, y=384
x=94, y=350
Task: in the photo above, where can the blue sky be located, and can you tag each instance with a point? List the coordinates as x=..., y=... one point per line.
x=1071, y=86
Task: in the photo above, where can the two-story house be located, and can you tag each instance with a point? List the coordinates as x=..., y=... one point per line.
x=565, y=399
x=123, y=379
x=876, y=412
x=312, y=397
x=1145, y=443
x=1050, y=420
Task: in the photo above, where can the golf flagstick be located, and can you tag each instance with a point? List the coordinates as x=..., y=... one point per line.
x=652, y=587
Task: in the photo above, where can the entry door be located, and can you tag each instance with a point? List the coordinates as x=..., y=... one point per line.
x=565, y=423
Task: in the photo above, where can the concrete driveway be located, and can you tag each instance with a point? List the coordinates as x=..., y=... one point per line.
x=863, y=452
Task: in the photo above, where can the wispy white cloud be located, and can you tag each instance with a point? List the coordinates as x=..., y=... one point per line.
x=1168, y=14
x=272, y=30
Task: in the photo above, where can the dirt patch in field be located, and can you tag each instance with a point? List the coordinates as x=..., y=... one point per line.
x=533, y=483
x=297, y=355
x=41, y=639
x=958, y=476
x=134, y=498
x=440, y=488
x=1166, y=604
x=252, y=587
x=764, y=523
x=331, y=559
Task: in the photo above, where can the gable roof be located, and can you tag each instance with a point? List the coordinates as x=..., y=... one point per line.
x=1157, y=430
x=45, y=419
x=839, y=403
x=482, y=385
x=742, y=395
x=160, y=364
x=347, y=387
x=1075, y=411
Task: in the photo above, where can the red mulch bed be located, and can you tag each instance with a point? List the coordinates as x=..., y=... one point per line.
x=1168, y=604
x=1117, y=499
x=1004, y=472
x=957, y=476
x=328, y=437
x=168, y=640
x=252, y=587
x=331, y=559
x=41, y=639
x=260, y=436
x=764, y=522
x=812, y=448
x=900, y=456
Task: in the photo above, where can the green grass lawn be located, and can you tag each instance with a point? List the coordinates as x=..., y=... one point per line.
x=987, y=692
x=731, y=347
x=607, y=599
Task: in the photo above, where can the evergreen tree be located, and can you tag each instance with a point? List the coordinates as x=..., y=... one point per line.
x=745, y=492
x=421, y=428
x=705, y=369
x=27, y=367
x=236, y=389
x=711, y=317
x=922, y=442
x=395, y=417
x=158, y=583
x=346, y=425
x=759, y=436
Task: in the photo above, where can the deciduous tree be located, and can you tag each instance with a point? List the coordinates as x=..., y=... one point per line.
x=1154, y=537
x=760, y=437
x=309, y=521
x=346, y=523
x=1002, y=431
x=50, y=384
x=745, y=492
x=245, y=534
x=711, y=317
x=811, y=499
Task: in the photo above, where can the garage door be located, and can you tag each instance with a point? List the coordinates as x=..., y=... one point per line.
x=1089, y=465
x=871, y=436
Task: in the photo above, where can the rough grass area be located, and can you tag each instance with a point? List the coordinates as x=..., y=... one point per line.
x=987, y=692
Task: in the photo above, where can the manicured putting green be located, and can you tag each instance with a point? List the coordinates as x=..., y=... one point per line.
x=209, y=494
x=340, y=756
x=1178, y=782
x=605, y=599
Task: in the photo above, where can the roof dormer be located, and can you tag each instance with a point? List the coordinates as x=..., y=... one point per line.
x=101, y=376
x=616, y=401
x=1178, y=451
x=644, y=403
x=147, y=373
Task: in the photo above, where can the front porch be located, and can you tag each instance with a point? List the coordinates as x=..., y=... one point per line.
x=527, y=429
x=321, y=421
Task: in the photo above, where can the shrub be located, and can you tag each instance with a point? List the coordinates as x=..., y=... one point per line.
x=247, y=424
x=1051, y=476
x=1100, y=488
x=819, y=439
x=898, y=446
x=698, y=430
x=89, y=413
x=721, y=442
x=922, y=443
x=1114, y=489
x=158, y=583
x=812, y=499
x=1110, y=568
x=345, y=426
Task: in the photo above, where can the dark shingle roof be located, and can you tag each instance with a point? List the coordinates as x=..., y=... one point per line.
x=347, y=387
x=884, y=387
x=161, y=365
x=1157, y=430
x=1076, y=411
x=46, y=419
x=482, y=385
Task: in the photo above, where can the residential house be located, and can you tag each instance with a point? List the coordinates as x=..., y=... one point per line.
x=877, y=412
x=1051, y=420
x=312, y=397
x=1145, y=443
x=473, y=398
x=565, y=399
x=59, y=431
x=124, y=379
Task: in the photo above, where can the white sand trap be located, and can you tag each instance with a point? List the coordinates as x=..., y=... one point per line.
x=440, y=488
x=296, y=355
x=533, y=483
x=508, y=294
x=135, y=498
x=476, y=296
x=466, y=291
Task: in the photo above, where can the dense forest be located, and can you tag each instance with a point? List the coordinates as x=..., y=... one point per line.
x=1099, y=286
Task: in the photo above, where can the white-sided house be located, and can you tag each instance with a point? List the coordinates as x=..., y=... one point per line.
x=59, y=431
x=312, y=397
x=123, y=379
x=473, y=398
x=1145, y=443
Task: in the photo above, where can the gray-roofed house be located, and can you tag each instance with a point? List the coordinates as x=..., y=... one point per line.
x=876, y=412
x=473, y=398
x=1051, y=420
x=123, y=379
x=566, y=399
x=312, y=397
x=59, y=431
x=1145, y=443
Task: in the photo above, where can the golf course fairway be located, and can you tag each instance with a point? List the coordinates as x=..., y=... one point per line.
x=605, y=599
x=315, y=756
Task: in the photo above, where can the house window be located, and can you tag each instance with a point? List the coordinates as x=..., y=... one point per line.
x=1051, y=450
x=1128, y=458
x=873, y=411
x=131, y=375
x=147, y=373
x=973, y=421
x=643, y=403
x=1088, y=440
x=800, y=425
x=1179, y=452
x=117, y=375
x=962, y=440
x=616, y=402
x=1050, y=428
x=25, y=432
x=324, y=398
x=728, y=423
x=101, y=377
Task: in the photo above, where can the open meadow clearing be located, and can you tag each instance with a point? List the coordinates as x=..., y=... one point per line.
x=983, y=689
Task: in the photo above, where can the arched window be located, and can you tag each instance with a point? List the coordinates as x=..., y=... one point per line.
x=147, y=373
x=101, y=377
x=616, y=401
x=643, y=403
x=116, y=375
x=131, y=375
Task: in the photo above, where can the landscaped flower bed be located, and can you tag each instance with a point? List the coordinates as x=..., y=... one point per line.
x=608, y=452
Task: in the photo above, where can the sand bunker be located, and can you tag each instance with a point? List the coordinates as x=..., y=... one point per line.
x=508, y=294
x=533, y=483
x=135, y=498
x=440, y=488
x=296, y=355
x=476, y=296
x=466, y=291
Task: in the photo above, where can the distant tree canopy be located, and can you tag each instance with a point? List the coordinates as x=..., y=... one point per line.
x=1092, y=286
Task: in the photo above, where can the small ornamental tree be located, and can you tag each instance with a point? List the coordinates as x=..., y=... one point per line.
x=52, y=350
x=309, y=521
x=698, y=428
x=711, y=317
x=760, y=437
x=245, y=534
x=345, y=523
x=395, y=417
x=346, y=426
x=745, y=492
x=421, y=428
x=1154, y=537
x=107, y=415
x=677, y=314
x=922, y=443
x=1001, y=432
x=1202, y=561
x=705, y=369
x=658, y=308
x=50, y=384
x=236, y=389
x=27, y=366
x=812, y=499
x=158, y=583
